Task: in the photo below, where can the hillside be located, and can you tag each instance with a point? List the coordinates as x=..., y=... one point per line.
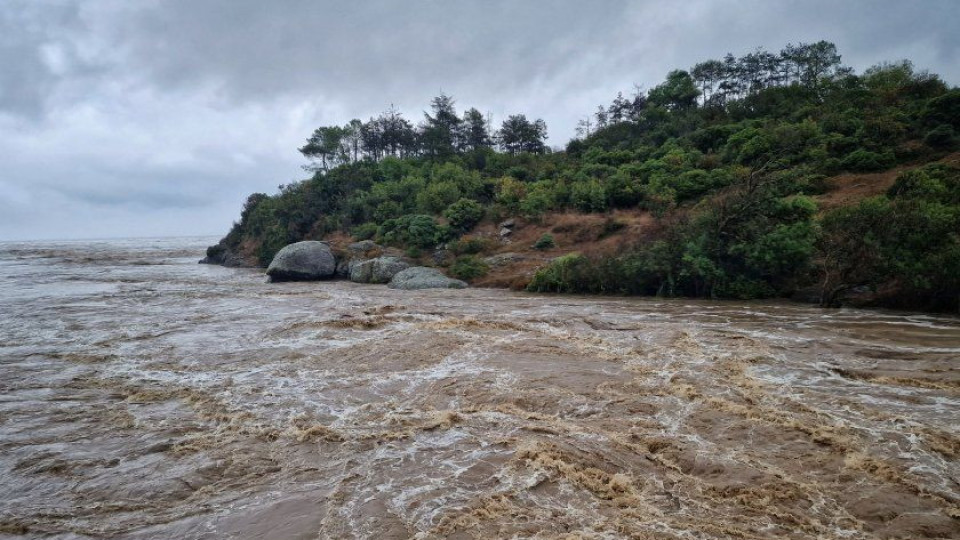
x=767, y=175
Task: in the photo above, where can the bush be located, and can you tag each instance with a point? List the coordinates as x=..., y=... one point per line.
x=545, y=242
x=416, y=230
x=610, y=226
x=906, y=239
x=470, y=245
x=364, y=231
x=941, y=137
x=437, y=196
x=867, y=161
x=570, y=273
x=464, y=214
x=468, y=267
x=588, y=197
x=535, y=204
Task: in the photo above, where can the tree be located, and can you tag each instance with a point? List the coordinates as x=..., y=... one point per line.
x=475, y=131
x=707, y=75
x=518, y=135
x=464, y=214
x=352, y=137
x=440, y=132
x=677, y=93
x=389, y=134
x=326, y=145
x=619, y=109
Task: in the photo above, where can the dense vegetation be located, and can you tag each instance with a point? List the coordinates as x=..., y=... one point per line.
x=727, y=156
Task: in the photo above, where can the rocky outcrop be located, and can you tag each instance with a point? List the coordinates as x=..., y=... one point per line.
x=506, y=229
x=422, y=277
x=503, y=259
x=222, y=255
x=307, y=260
x=379, y=270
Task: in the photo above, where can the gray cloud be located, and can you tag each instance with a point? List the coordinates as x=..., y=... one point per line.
x=165, y=112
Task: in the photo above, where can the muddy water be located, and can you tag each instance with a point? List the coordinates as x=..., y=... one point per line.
x=145, y=396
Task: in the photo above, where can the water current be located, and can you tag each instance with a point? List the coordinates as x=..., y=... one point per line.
x=145, y=396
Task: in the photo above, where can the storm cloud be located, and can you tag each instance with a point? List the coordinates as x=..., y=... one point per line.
x=158, y=117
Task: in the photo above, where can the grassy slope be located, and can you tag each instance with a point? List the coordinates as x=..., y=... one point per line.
x=583, y=233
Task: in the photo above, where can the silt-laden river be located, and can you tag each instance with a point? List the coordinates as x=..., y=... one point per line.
x=145, y=396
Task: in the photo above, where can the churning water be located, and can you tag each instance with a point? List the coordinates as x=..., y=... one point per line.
x=145, y=396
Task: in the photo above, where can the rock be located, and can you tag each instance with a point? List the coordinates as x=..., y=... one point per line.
x=222, y=255
x=508, y=224
x=384, y=268
x=303, y=261
x=503, y=259
x=442, y=257
x=363, y=247
x=504, y=235
x=421, y=277
x=379, y=270
x=343, y=269
x=360, y=271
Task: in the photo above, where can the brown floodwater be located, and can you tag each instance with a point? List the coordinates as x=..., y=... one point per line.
x=145, y=396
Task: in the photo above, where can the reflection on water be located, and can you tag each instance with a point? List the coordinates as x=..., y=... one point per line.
x=146, y=396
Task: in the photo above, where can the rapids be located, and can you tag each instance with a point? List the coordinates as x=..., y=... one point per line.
x=145, y=396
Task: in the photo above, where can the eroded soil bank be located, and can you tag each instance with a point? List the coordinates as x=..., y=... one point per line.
x=144, y=396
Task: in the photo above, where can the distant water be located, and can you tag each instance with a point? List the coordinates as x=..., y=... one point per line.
x=145, y=396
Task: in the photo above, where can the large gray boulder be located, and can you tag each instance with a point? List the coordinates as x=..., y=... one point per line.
x=422, y=277
x=361, y=271
x=303, y=261
x=379, y=270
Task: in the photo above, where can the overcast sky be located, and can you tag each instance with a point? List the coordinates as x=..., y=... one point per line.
x=123, y=118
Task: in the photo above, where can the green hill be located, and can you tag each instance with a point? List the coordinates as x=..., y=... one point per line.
x=765, y=175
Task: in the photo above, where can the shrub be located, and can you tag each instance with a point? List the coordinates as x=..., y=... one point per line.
x=273, y=241
x=416, y=230
x=535, y=204
x=387, y=210
x=570, y=273
x=470, y=245
x=941, y=137
x=867, y=161
x=588, y=197
x=464, y=214
x=437, y=196
x=610, y=226
x=364, y=231
x=468, y=267
x=545, y=242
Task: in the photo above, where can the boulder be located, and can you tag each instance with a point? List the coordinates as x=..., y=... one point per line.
x=307, y=260
x=222, y=255
x=384, y=268
x=362, y=247
x=379, y=270
x=361, y=271
x=343, y=269
x=422, y=277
